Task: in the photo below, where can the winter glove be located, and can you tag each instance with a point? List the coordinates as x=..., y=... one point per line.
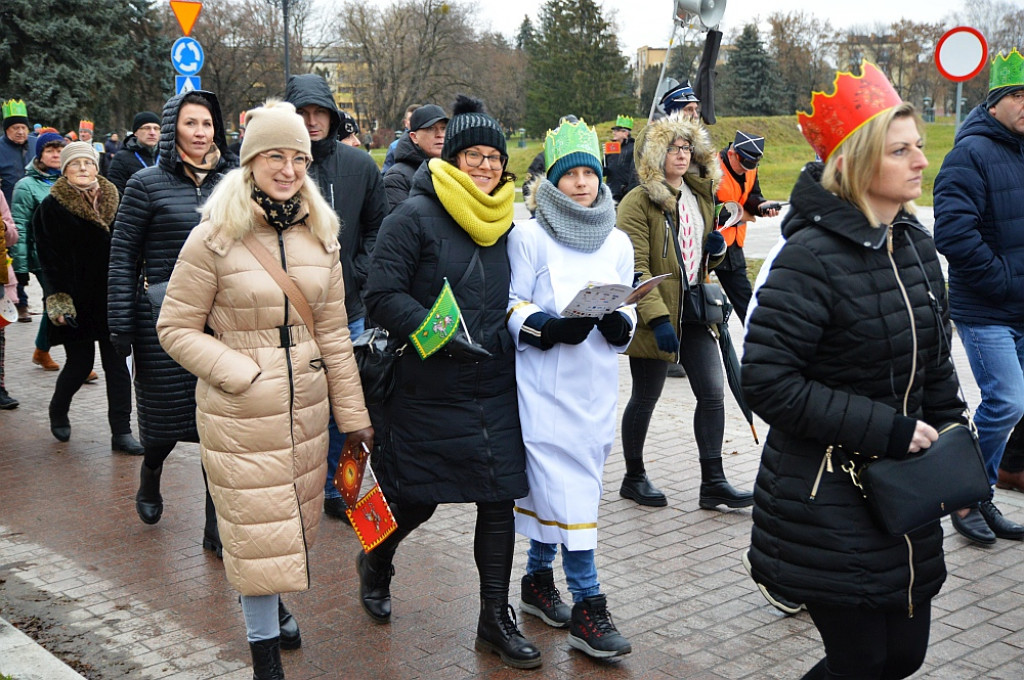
x=122, y=343
x=461, y=349
x=571, y=331
x=615, y=328
x=715, y=245
x=666, y=338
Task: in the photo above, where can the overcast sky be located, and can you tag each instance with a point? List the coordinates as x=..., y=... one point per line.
x=649, y=22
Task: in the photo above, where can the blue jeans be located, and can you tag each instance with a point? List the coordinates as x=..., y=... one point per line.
x=996, y=354
x=336, y=439
x=261, y=617
x=578, y=565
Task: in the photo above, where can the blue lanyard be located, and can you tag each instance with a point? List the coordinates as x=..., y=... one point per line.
x=144, y=162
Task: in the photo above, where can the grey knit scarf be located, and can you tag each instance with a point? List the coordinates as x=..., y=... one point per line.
x=571, y=224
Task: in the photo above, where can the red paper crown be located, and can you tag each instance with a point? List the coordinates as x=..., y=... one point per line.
x=85, y=125
x=855, y=101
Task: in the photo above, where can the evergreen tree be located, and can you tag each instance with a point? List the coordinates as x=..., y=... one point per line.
x=575, y=67
x=525, y=36
x=73, y=60
x=749, y=85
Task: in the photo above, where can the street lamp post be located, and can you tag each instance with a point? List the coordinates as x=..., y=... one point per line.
x=287, y=61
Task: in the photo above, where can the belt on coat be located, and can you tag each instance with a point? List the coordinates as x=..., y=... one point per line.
x=279, y=336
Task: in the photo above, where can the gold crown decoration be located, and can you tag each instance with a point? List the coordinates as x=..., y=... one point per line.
x=1006, y=71
x=855, y=101
x=570, y=138
x=15, y=108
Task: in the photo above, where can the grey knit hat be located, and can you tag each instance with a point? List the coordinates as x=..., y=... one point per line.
x=470, y=125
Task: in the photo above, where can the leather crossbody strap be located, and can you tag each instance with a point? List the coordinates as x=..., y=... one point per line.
x=273, y=267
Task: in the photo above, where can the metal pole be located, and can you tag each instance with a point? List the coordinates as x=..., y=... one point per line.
x=959, y=96
x=654, y=103
x=287, y=61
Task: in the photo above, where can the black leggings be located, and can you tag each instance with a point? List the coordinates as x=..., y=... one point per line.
x=493, y=542
x=80, y=357
x=869, y=644
x=699, y=355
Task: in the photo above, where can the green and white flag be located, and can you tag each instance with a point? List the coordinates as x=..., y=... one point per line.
x=440, y=324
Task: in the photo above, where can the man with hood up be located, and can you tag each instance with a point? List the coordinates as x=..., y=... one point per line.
x=351, y=183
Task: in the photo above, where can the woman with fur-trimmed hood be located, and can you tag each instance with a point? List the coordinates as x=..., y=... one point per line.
x=72, y=236
x=265, y=383
x=670, y=218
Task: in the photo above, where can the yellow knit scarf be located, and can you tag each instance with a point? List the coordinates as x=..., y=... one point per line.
x=484, y=217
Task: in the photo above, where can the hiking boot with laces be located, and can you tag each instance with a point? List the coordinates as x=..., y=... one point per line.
x=496, y=631
x=593, y=632
x=375, y=588
x=541, y=598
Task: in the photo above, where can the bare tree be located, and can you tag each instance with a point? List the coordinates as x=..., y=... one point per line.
x=802, y=46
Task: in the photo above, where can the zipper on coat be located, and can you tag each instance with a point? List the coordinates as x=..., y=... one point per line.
x=664, y=248
x=288, y=357
x=302, y=528
x=826, y=465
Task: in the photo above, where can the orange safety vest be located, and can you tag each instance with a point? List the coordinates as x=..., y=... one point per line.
x=729, y=190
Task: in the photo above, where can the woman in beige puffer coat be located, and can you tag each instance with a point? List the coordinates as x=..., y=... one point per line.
x=265, y=385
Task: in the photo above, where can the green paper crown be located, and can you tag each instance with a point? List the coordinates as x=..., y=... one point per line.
x=624, y=122
x=570, y=138
x=1006, y=71
x=14, y=107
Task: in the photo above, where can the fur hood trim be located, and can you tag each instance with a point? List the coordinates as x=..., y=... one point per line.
x=75, y=202
x=220, y=240
x=651, y=149
x=530, y=189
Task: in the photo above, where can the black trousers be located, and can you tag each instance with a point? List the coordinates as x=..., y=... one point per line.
x=732, y=274
x=1013, y=455
x=868, y=644
x=80, y=357
x=493, y=542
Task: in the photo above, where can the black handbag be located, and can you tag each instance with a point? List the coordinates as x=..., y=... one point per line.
x=704, y=304
x=377, y=364
x=906, y=494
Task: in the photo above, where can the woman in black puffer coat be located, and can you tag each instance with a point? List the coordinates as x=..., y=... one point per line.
x=452, y=432
x=847, y=356
x=158, y=211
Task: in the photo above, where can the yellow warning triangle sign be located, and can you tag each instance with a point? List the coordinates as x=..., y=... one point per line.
x=187, y=12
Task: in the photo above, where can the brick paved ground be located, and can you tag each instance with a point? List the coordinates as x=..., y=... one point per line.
x=121, y=599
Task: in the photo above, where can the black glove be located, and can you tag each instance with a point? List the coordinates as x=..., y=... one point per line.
x=461, y=349
x=571, y=331
x=614, y=327
x=715, y=244
x=122, y=343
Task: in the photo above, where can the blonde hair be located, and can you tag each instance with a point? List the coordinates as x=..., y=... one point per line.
x=861, y=155
x=230, y=207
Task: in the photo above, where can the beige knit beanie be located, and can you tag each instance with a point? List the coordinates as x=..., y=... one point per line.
x=275, y=125
x=78, y=150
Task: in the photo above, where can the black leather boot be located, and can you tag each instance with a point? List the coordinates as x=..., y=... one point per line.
x=266, y=659
x=375, y=586
x=211, y=534
x=637, y=487
x=496, y=631
x=540, y=597
x=593, y=632
x=291, y=638
x=149, y=504
x=715, y=489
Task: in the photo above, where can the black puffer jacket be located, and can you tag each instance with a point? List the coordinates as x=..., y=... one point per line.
x=128, y=160
x=621, y=171
x=350, y=181
x=452, y=429
x=159, y=208
x=398, y=179
x=830, y=360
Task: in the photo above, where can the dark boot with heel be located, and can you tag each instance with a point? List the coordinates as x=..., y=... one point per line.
x=149, y=504
x=715, y=489
x=291, y=638
x=375, y=586
x=497, y=632
x=266, y=659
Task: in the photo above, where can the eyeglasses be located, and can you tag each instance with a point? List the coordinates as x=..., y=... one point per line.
x=475, y=159
x=276, y=161
x=674, y=150
x=80, y=163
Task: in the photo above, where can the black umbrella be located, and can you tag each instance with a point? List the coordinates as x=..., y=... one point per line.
x=732, y=367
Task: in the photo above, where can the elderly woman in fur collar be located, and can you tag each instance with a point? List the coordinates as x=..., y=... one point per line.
x=72, y=233
x=266, y=384
x=670, y=219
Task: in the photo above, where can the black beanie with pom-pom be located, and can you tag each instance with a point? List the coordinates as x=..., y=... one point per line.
x=470, y=125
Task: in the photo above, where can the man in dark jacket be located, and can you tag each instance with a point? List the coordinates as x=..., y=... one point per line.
x=16, y=151
x=424, y=141
x=979, y=227
x=618, y=166
x=139, y=150
x=351, y=183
